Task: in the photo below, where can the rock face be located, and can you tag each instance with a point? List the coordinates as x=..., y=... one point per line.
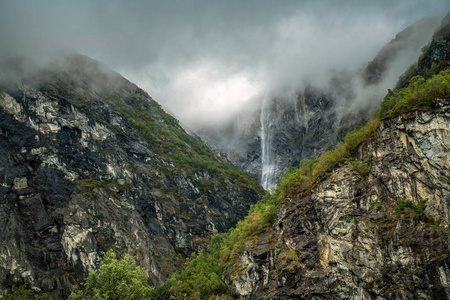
x=89, y=162
x=439, y=50
x=364, y=232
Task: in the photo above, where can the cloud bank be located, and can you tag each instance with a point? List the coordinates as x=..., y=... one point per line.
x=205, y=60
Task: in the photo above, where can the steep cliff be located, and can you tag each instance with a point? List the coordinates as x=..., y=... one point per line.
x=405, y=45
x=373, y=232
x=89, y=162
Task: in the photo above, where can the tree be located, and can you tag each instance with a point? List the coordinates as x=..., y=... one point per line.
x=115, y=279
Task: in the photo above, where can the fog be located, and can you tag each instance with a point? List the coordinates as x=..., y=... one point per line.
x=204, y=61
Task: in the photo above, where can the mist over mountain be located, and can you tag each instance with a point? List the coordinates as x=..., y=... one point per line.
x=280, y=129
x=204, y=61
x=212, y=65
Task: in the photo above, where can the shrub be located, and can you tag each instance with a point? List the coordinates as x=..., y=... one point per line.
x=405, y=205
x=362, y=167
x=115, y=279
x=420, y=92
x=202, y=276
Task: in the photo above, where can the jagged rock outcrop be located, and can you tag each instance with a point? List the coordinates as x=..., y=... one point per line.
x=89, y=162
x=364, y=232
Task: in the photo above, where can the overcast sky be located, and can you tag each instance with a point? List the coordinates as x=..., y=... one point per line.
x=203, y=60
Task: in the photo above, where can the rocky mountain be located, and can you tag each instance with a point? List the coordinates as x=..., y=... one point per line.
x=364, y=234
x=90, y=162
x=368, y=219
x=435, y=57
x=269, y=140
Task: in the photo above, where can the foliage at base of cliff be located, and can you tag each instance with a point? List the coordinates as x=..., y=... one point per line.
x=116, y=279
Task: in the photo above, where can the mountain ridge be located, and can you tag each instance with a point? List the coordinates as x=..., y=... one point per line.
x=91, y=162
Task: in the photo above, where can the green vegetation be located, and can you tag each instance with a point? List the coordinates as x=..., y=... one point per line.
x=93, y=183
x=299, y=181
x=289, y=260
x=415, y=211
x=405, y=206
x=420, y=92
x=168, y=139
x=22, y=292
x=201, y=279
x=362, y=167
x=116, y=279
x=260, y=217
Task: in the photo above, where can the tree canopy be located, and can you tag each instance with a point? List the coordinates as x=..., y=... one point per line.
x=115, y=279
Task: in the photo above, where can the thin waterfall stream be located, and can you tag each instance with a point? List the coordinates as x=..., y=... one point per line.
x=268, y=157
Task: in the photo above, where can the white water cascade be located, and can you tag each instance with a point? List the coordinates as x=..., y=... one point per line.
x=268, y=158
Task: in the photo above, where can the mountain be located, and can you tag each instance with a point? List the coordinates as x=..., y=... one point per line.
x=374, y=228
x=368, y=219
x=399, y=51
x=268, y=140
x=90, y=162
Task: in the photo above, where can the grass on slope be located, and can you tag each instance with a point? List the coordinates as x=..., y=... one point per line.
x=168, y=139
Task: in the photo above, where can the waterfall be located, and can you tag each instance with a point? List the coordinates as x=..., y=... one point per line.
x=268, y=157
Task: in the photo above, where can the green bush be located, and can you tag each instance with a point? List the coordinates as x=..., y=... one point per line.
x=405, y=205
x=420, y=92
x=202, y=276
x=115, y=279
x=362, y=167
